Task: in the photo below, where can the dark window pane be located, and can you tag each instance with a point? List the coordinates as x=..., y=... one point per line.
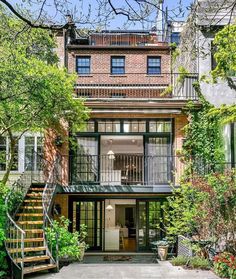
x=118, y=65
x=154, y=65
x=83, y=65
x=118, y=70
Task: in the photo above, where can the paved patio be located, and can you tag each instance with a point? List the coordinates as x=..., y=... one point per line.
x=162, y=270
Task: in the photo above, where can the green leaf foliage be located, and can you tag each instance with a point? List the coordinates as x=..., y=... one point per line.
x=204, y=207
x=225, y=55
x=203, y=134
x=35, y=93
x=68, y=243
x=4, y=268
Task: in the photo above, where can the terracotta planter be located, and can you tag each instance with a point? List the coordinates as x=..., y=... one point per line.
x=162, y=252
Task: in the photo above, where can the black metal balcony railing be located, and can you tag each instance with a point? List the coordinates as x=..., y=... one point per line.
x=122, y=169
x=138, y=86
x=137, y=169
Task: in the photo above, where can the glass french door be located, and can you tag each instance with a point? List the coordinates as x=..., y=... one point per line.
x=149, y=223
x=158, y=161
x=89, y=213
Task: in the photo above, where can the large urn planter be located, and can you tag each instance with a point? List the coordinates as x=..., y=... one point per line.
x=162, y=251
x=82, y=250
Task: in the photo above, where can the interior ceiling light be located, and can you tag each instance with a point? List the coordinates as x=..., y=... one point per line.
x=109, y=206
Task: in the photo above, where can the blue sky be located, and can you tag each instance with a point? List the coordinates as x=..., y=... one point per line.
x=173, y=7
x=117, y=22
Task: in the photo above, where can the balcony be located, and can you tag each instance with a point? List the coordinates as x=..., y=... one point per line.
x=126, y=170
x=125, y=39
x=136, y=86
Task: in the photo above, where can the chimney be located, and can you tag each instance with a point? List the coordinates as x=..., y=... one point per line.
x=160, y=20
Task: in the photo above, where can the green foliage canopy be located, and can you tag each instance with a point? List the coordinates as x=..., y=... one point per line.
x=35, y=93
x=225, y=55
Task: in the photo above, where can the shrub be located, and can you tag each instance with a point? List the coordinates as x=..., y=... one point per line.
x=3, y=261
x=199, y=262
x=180, y=260
x=225, y=265
x=68, y=243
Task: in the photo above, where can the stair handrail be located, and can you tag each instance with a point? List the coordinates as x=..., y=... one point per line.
x=12, y=229
x=47, y=197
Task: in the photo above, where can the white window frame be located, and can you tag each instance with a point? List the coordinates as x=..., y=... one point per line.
x=21, y=149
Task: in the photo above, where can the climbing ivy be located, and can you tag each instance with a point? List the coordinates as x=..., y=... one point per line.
x=203, y=133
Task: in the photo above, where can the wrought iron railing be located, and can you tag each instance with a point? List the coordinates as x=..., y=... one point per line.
x=138, y=169
x=54, y=177
x=137, y=86
x=126, y=169
x=48, y=173
x=15, y=236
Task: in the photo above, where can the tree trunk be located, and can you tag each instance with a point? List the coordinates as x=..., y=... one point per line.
x=10, y=162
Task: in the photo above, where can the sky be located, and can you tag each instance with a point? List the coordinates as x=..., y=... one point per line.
x=171, y=5
x=80, y=9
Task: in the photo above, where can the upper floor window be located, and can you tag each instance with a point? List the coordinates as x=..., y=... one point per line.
x=117, y=65
x=33, y=146
x=134, y=126
x=160, y=126
x=153, y=65
x=83, y=65
x=25, y=152
x=109, y=126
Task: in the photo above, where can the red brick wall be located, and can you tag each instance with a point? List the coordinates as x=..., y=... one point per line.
x=135, y=66
x=51, y=149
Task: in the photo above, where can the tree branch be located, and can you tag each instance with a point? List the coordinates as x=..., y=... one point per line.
x=29, y=22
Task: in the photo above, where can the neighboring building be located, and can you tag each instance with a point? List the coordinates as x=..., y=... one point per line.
x=126, y=159
x=197, y=56
x=197, y=51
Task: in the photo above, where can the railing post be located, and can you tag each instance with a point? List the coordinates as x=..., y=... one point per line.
x=22, y=253
x=57, y=249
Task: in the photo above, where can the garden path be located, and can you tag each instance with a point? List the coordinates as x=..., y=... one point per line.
x=161, y=270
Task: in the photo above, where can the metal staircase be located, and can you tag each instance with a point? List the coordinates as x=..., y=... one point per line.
x=26, y=240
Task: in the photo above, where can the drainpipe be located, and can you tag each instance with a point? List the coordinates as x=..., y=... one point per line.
x=67, y=37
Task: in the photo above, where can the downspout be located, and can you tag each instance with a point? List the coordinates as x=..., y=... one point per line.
x=65, y=48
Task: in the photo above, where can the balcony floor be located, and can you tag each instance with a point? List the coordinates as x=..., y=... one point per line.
x=119, y=189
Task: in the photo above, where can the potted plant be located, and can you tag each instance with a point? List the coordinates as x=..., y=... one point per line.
x=162, y=249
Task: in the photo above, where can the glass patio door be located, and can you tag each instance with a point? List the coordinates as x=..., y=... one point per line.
x=89, y=213
x=158, y=160
x=149, y=223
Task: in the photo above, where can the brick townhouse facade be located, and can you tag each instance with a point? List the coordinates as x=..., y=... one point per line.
x=127, y=156
x=126, y=161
